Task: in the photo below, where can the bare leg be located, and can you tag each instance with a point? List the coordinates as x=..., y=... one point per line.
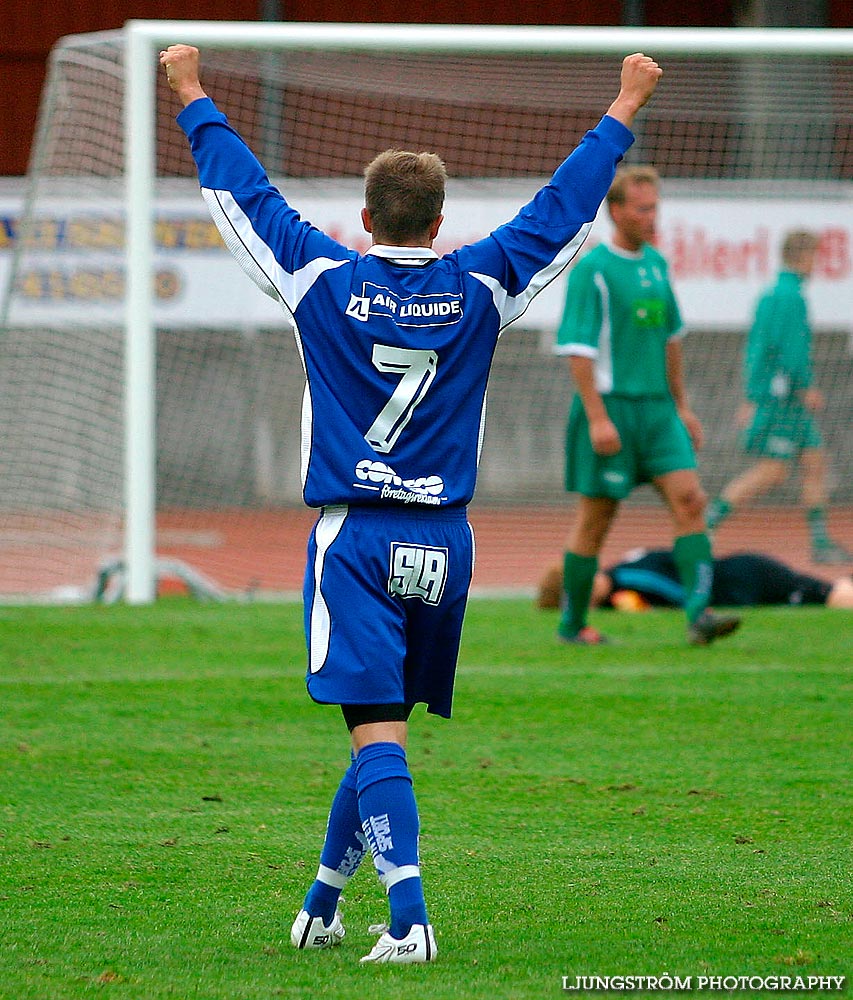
x=682, y=492
x=813, y=469
x=755, y=481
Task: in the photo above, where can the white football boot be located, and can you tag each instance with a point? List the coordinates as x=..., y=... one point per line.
x=417, y=946
x=311, y=932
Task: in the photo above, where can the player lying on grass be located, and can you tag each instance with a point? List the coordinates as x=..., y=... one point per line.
x=643, y=579
x=391, y=432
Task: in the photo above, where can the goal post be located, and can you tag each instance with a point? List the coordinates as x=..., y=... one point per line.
x=144, y=38
x=502, y=104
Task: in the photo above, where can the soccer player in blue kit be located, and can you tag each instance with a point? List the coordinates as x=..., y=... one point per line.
x=396, y=345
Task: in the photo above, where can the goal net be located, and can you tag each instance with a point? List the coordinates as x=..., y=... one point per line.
x=150, y=395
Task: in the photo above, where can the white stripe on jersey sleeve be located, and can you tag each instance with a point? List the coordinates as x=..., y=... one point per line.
x=510, y=307
x=256, y=258
x=576, y=351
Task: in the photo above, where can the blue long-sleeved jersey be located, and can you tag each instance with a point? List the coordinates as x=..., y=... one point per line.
x=396, y=343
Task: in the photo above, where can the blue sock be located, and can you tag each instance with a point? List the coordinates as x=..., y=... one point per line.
x=389, y=816
x=343, y=850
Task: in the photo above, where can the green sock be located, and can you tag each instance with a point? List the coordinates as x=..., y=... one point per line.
x=578, y=572
x=718, y=510
x=692, y=554
x=816, y=517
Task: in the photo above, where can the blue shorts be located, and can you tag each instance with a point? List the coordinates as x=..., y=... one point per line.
x=385, y=593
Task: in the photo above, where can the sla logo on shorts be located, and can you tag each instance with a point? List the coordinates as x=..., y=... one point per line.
x=417, y=571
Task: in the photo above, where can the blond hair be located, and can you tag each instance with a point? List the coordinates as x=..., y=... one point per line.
x=404, y=193
x=626, y=177
x=796, y=245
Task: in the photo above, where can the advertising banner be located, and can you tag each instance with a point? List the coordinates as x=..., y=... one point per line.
x=723, y=250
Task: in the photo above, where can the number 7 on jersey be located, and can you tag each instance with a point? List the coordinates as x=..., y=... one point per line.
x=416, y=369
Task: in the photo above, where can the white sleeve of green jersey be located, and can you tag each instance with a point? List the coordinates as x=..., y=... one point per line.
x=580, y=327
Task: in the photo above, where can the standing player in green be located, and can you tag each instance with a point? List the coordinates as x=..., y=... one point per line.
x=781, y=402
x=630, y=421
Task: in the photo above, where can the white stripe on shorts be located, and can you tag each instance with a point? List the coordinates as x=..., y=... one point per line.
x=328, y=528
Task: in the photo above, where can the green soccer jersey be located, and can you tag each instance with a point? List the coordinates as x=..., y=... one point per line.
x=777, y=361
x=621, y=311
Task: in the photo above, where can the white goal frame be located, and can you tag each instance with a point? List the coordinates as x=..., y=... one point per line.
x=144, y=39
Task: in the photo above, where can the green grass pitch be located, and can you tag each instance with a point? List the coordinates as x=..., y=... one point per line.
x=639, y=809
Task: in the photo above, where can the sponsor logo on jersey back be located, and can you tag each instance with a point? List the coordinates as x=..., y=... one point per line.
x=382, y=479
x=435, y=309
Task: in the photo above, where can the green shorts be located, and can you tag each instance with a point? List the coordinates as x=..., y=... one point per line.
x=781, y=430
x=654, y=442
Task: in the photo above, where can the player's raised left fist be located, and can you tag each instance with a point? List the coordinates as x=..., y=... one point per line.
x=181, y=63
x=638, y=80
x=640, y=75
